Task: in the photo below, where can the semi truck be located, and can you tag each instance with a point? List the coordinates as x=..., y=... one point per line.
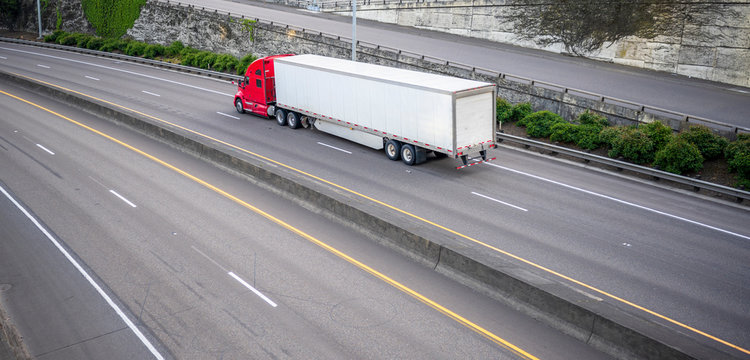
x=408, y=114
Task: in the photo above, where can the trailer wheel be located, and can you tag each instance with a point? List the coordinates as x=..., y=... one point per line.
x=238, y=106
x=408, y=155
x=281, y=117
x=293, y=120
x=392, y=149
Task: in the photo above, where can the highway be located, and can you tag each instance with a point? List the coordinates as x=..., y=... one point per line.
x=716, y=101
x=201, y=275
x=680, y=255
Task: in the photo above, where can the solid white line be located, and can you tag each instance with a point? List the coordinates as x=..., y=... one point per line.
x=622, y=201
x=150, y=93
x=120, y=70
x=122, y=198
x=227, y=115
x=92, y=78
x=3, y=57
x=91, y=281
x=45, y=149
x=252, y=289
x=43, y=66
x=335, y=148
x=496, y=200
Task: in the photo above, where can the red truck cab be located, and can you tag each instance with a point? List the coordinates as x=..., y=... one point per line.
x=256, y=92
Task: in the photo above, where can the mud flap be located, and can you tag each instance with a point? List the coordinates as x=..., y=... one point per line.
x=420, y=156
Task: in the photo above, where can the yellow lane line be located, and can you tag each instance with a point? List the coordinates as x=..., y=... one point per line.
x=445, y=311
x=404, y=212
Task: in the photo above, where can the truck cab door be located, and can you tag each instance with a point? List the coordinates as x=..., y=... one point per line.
x=255, y=87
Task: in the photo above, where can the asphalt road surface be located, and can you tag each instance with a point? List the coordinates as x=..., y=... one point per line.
x=716, y=101
x=675, y=253
x=206, y=265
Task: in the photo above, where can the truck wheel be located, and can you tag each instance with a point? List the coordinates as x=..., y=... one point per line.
x=238, y=106
x=393, y=149
x=293, y=120
x=408, y=155
x=281, y=117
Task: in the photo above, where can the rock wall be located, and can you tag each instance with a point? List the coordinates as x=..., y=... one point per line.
x=71, y=14
x=718, y=51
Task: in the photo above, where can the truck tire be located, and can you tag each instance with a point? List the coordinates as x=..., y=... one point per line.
x=392, y=149
x=408, y=154
x=281, y=117
x=293, y=120
x=238, y=106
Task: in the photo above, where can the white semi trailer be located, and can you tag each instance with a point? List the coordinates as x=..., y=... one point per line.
x=407, y=113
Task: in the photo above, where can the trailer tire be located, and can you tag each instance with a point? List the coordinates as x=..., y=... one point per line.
x=238, y=106
x=392, y=149
x=293, y=120
x=408, y=154
x=281, y=117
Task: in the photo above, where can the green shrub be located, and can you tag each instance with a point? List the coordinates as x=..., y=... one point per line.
x=153, y=50
x=187, y=51
x=82, y=40
x=226, y=62
x=710, y=144
x=68, y=39
x=679, y=156
x=53, y=37
x=659, y=133
x=94, y=43
x=539, y=124
x=608, y=135
x=589, y=118
x=190, y=58
x=111, y=45
x=587, y=136
x=205, y=60
x=520, y=111
x=632, y=144
x=564, y=132
x=503, y=110
x=741, y=164
x=135, y=48
x=737, y=154
x=174, y=49
x=245, y=61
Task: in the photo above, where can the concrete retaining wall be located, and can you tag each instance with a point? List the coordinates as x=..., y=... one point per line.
x=618, y=330
x=713, y=46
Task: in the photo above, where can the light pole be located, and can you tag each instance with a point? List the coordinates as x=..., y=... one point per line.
x=39, y=16
x=354, y=30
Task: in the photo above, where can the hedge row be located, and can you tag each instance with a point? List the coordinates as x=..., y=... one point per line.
x=653, y=143
x=176, y=51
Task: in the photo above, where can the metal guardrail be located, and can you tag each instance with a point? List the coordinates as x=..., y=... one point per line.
x=696, y=184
